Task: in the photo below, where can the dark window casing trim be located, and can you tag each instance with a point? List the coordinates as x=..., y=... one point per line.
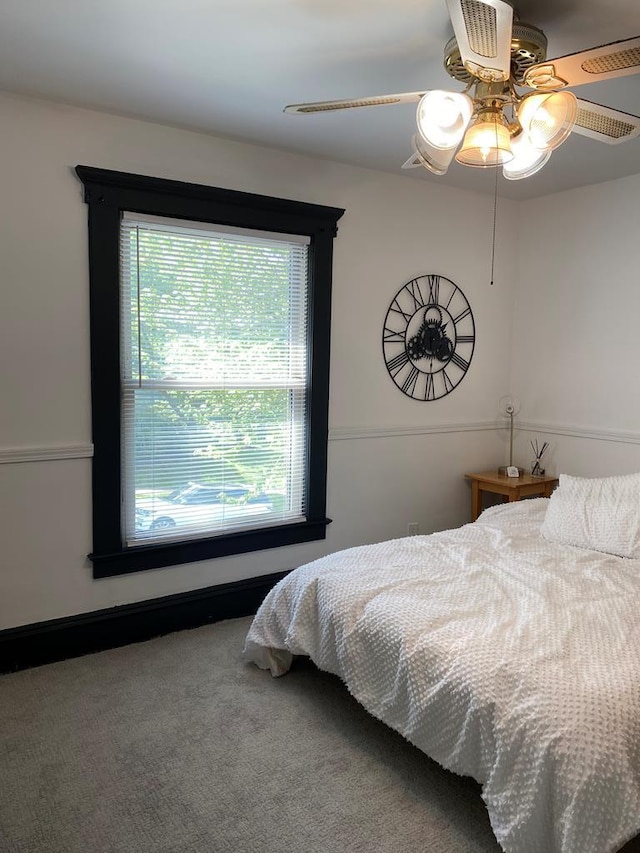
x=108, y=194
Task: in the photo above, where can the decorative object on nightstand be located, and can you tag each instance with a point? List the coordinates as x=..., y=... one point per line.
x=509, y=407
x=428, y=337
x=536, y=468
x=511, y=488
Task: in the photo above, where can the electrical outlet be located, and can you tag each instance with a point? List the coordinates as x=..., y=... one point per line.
x=413, y=528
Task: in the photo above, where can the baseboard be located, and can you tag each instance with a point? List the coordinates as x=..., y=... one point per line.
x=72, y=636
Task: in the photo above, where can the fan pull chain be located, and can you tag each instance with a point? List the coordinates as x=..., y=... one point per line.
x=495, y=209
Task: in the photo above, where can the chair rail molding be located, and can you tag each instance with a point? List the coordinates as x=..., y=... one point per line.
x=621, y=436
x=45, y=453
x=348, y=433
x=56, y=452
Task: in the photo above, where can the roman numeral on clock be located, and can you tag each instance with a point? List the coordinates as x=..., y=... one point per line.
x=448, y=384
x=396, y=363
x=395, y=307
x=462, y=315
x=430, y=391
x=459, y=361
x=390, y=336
x=434, y=289
x=413, y=289
x=409, y=384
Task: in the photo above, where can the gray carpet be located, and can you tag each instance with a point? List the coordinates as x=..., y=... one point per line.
x=176, y=745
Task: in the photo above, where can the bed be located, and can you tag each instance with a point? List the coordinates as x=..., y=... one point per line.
x=500, y=650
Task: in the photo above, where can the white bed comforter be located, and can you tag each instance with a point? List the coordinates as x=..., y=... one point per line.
x=502, y=656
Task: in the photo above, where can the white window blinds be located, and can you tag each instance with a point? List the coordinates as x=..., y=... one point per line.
x=213, y=378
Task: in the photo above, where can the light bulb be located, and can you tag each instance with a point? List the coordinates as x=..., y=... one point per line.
x=547, y=119
x=448, y=113
x=527, y=160
x=443, y=118
x=486, y=143
x=484, y=140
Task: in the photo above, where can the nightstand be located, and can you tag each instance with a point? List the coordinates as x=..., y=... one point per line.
x=512, y=488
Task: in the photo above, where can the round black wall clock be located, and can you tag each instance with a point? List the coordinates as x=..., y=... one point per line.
x=428, y=337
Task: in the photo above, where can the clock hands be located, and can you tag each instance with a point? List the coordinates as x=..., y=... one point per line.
x=431, y=339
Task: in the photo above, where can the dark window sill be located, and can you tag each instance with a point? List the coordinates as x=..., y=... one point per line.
x=154, y=556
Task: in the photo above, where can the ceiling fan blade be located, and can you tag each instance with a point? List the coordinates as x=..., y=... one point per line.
x=483, y=31
x=350, y=103
x=618, y=59
x=605, y=124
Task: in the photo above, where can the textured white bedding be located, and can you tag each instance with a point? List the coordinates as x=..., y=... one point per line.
x=503, y=656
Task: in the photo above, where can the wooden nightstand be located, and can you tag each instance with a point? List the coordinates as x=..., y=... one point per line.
x=513, y=488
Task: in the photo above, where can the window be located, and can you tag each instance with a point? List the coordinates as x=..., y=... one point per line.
x=210, y=339
x=213, y=376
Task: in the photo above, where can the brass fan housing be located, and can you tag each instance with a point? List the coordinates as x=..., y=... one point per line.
x=528, y=47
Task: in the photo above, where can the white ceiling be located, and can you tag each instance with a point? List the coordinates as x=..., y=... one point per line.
x=228, y=67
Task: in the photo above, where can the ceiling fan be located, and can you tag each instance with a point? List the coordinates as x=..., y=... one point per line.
x=515, y=108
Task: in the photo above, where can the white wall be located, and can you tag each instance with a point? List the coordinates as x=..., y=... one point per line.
x=577, y=328
x=391, y=460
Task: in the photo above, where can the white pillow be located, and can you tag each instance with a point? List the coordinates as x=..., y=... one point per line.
x=602, y=514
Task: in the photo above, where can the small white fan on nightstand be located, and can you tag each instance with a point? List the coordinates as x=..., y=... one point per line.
x=509, y=407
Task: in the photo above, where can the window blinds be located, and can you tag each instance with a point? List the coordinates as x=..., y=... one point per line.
x=214, y=378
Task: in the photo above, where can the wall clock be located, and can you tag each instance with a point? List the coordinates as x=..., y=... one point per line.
x=428, y=337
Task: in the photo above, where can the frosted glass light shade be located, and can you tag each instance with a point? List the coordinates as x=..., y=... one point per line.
x=527, y=160
x=487, y=142
x=547, y=119
x=443, y=118
x=436, y=160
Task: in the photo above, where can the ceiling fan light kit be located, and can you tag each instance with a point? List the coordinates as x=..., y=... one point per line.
x=499, y=126
x=547, y=119
x=527, y=160
x=487, y=142
x=436, y=160
x=443, y=117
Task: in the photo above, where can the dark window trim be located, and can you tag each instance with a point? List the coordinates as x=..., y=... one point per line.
x=107, y=194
